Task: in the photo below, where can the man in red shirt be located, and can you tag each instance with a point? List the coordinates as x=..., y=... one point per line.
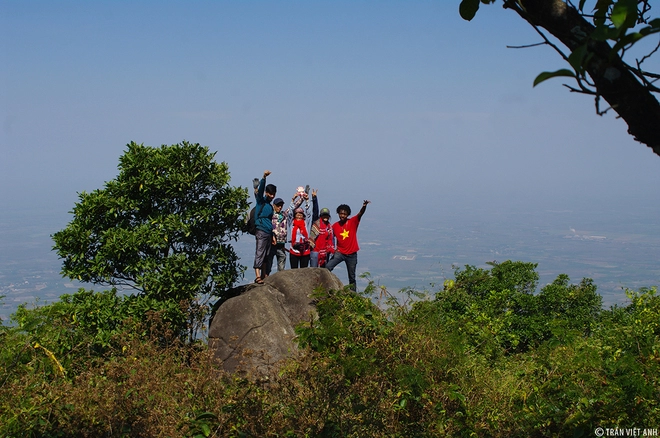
x=345, y=231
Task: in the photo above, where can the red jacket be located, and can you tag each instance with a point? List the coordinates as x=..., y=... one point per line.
x=299, y=239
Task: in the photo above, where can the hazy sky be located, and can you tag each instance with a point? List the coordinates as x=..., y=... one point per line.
x=400, y=102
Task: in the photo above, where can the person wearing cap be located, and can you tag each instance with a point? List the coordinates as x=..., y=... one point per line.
x=321, y=237
x=345, y=231
x=280, y=229
x=264, y=194
x=281, y=223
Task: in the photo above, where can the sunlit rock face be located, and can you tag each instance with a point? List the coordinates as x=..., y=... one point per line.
x=251, y=332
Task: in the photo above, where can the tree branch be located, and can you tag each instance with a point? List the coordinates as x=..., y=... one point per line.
x=613, y=79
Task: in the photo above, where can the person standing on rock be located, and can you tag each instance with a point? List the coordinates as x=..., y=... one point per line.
x=264, y=234
x=345, y=231
x=321, y=238
x=280, y=230
x=282, y=221
x=300, y=248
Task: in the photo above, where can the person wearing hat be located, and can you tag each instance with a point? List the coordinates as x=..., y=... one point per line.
x=321, y=237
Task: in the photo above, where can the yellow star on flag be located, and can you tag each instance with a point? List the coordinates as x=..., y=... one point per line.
x=344, y=234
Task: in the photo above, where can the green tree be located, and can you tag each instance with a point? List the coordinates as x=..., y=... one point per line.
x=598, y=36
x=163, y=226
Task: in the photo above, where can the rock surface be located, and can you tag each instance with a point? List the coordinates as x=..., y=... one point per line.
x=253, y=331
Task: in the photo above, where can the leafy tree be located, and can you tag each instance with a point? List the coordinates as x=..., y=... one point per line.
x=599, y=38
x=163, y=226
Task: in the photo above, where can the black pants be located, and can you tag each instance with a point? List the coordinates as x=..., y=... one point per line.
x=295, y=260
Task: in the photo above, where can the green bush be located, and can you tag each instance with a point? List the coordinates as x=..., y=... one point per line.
x=86, y=325
x=499, y=312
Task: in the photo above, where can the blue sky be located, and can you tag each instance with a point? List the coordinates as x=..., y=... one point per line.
x=400, y=102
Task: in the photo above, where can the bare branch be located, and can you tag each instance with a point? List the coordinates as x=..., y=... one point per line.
x=598, y=110
x=526, y=46
x=580, y=90
x=550, y=43
x=648, y=55
x=644, y=77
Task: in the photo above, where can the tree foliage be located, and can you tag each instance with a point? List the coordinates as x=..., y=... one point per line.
x=599, y=36
x=86, y=325
x=499, y=311
x=163, y=226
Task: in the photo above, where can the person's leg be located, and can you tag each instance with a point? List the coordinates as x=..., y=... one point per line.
x=314, y=259
x=281, y=257
x=293, y=261
x=304, y=261
x=351, y=265
x=323, y=259
x=262, y=246
x=268, y=262
x=256, y=266
x=336, y=259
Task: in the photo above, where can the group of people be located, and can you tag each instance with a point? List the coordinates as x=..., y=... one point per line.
x=312, y=240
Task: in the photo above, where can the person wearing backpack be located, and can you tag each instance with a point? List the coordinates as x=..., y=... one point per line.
x=263, y=216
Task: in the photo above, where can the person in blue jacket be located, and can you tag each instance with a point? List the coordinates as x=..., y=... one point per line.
x=263, y=216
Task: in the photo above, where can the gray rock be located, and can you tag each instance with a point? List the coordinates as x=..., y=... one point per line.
x=250, y=333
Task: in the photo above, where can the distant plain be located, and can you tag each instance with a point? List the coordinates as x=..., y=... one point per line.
x=412, y=248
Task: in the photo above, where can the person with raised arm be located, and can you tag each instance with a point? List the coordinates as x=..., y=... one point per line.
x=264, y=228
x=321, y=237
x=345, y=232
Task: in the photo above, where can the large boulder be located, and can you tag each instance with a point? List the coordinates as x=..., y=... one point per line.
x=253, y=331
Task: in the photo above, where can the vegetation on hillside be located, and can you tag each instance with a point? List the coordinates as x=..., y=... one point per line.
x=488, y=355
